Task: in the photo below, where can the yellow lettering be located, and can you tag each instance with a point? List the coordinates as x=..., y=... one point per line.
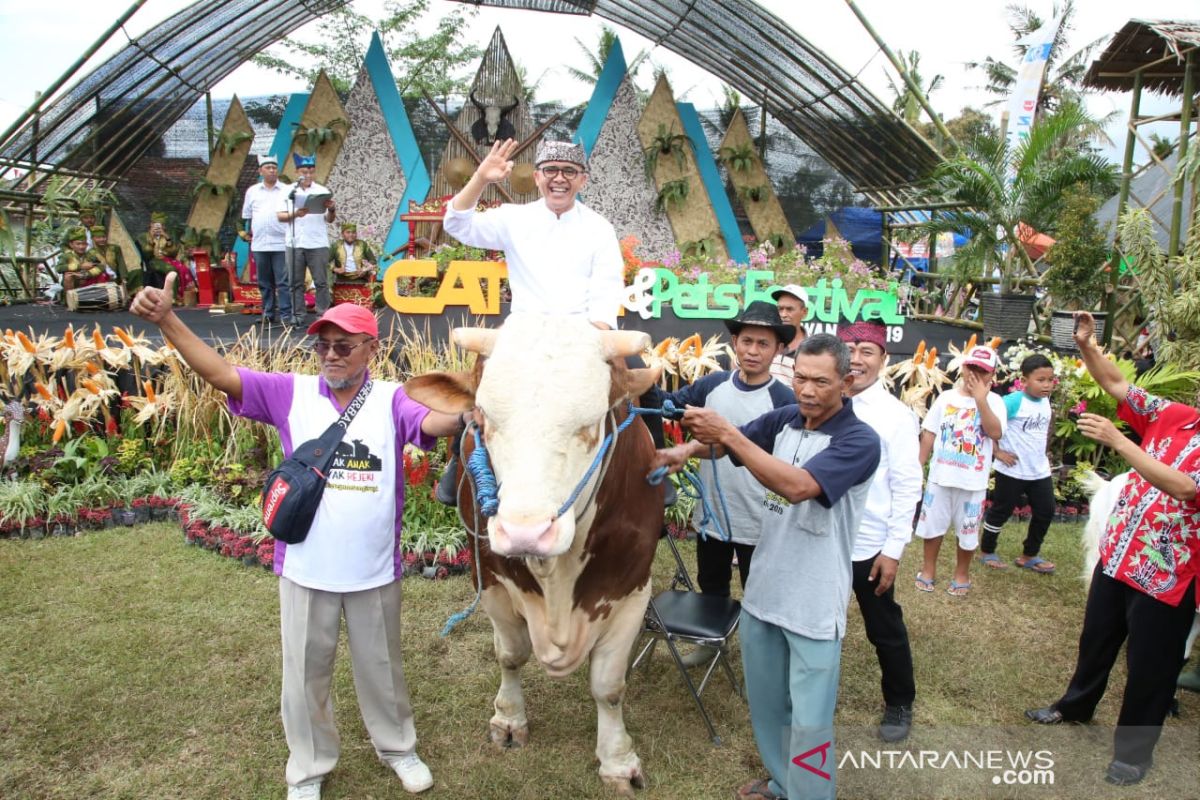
x=474, y=284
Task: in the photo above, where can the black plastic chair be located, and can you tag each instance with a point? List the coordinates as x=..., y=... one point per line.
x=683, y=615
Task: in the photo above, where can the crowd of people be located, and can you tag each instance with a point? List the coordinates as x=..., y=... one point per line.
x=820, y=464
x=289, y=245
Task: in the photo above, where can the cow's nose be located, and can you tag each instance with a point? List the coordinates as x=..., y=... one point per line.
x=515, y=539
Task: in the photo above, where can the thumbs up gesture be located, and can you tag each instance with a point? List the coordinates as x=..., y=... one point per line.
x=153, y=305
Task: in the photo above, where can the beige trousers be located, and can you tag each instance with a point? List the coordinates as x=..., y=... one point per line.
x=309, y=623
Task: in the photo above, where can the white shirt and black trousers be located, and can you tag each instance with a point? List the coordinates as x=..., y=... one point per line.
x=307, y=249
x=261, y=207
x=885, y=530
x=1025, y=435
x=745, y=497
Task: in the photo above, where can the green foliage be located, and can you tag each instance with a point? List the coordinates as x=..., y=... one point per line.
x=309, y=140
x=226, y=143
x=739, y=159
x=1168, y=285
x=706, y=248
x=1078, y=274
x=905, y=102
x=433, y=62
x=596, y=61
x=78, y=459
x=132, y=457
x=205, y=238
x=999, y=188
x=673, y=194
x=219, y=189
x=1062, y=82
x=754, y=194
x=20, y=501
x=664, y=143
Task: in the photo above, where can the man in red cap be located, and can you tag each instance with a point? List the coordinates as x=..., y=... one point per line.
x=350, y=562
x=886, y=525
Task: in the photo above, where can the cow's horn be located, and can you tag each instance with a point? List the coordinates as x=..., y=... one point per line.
x=475, y=340
x=618, y=344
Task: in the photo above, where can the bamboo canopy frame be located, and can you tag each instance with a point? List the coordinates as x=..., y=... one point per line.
x=1161, y=56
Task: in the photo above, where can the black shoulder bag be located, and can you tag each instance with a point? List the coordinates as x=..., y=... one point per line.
x=293, y=490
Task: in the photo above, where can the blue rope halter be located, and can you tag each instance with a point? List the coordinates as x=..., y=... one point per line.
x=487, y=502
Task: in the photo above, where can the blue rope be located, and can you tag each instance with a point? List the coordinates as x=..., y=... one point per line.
x=480, y=467
x=487, y=502
x=456, y=618
x=694, y=488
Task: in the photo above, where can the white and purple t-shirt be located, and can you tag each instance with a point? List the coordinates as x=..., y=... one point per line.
x=354, y=543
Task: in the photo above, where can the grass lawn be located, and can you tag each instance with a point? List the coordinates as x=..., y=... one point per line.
x=133, y=666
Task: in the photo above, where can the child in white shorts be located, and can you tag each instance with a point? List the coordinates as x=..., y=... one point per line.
x=957, y=437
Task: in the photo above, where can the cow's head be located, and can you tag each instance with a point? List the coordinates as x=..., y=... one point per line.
x=544, y=387
x=492, y=125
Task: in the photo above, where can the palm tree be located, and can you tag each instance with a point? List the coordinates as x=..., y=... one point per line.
x=906, y=103
x=1000, y=188
x=1063, y=81
x=596, y=60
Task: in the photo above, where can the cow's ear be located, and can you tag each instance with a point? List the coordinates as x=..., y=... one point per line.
x=448, y=392
x=630, y=382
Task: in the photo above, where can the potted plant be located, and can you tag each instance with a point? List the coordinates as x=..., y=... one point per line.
x=997, y=190
x=1078, y=275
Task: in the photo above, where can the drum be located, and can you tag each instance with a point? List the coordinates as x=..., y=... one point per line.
x=97, y=297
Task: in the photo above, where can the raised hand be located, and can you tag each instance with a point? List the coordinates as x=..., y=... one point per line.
x=1085, y=328
x=153, y=305
x=497, y=164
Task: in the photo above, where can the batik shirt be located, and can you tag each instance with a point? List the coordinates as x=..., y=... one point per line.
x=1152, y=541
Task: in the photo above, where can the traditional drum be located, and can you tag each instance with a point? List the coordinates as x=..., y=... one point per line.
x=97, y=297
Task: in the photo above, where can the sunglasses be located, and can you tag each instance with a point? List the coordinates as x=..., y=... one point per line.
x=341, y=349
x=570, y=173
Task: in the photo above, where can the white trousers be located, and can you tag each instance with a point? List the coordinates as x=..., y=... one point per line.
x=943, y=506
x=309, y=623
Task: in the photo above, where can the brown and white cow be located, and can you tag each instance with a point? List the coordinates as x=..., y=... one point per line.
x=562, y=587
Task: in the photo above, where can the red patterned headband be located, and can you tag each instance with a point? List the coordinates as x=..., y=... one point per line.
x=869, y=332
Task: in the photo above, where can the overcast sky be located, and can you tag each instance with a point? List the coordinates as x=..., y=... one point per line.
x=43, y=38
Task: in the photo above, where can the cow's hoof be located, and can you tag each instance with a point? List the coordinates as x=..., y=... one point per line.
x=624, y=786
x=508, y=737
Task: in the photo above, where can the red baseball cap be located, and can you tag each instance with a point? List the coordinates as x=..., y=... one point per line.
x=350, y=317
x=983, y=357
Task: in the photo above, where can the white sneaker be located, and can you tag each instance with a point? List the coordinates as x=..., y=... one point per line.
x=308, y=791
x=413, y=773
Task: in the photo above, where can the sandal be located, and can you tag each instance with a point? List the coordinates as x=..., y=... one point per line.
x=757, y=790
x=1035, y=564
x=992, y=560
x=924, y=584
x=956, y=589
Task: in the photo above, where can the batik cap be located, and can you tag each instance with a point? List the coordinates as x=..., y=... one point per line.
x=303, y=161
x=868, y=332
x=560, y=151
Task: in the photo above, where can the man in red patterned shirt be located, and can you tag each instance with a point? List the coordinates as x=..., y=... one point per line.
x=1144, y=586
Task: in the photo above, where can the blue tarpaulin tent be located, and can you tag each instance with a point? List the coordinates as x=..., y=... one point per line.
x=861, y=227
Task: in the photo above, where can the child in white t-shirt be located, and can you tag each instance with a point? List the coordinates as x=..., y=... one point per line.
x=958, y=434
x=1023, y=467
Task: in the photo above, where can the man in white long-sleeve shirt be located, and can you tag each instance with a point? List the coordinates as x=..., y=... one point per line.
x=562, y=257
x=886, y=522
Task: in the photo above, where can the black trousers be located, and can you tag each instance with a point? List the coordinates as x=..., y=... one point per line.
x=714, y=564
x=1156, y=634
x=1005, y=496
x=884, y=623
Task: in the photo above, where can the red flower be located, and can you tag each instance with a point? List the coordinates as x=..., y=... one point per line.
x=110, y=427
